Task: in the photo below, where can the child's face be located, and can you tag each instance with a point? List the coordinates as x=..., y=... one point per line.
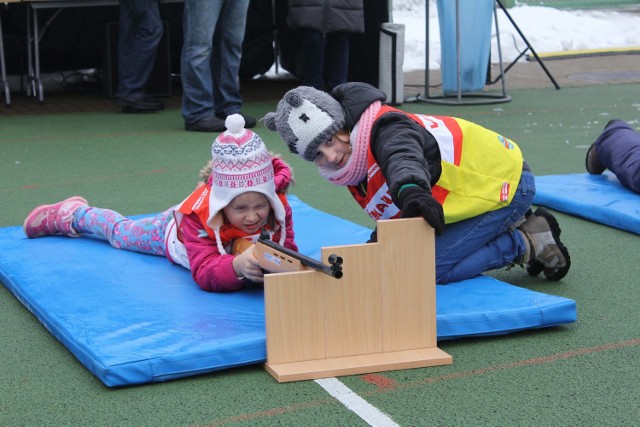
x=249, y=212
x=334, y=153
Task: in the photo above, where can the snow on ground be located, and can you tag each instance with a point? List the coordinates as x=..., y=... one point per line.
x=547, y=30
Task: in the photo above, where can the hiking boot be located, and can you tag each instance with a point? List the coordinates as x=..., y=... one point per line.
x=545, y=252
x=533, y=267
x=51, y=220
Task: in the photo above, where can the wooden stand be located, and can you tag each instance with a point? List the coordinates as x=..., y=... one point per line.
x=380, y=316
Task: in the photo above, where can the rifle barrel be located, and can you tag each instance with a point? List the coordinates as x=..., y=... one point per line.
x=333, y=271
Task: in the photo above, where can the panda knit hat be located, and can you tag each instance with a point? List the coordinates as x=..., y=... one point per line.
x=305, y=118
x=240, y=163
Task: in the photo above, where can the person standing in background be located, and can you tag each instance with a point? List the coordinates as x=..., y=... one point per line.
x=325, y=26
x=140, y=31
x=211, y=52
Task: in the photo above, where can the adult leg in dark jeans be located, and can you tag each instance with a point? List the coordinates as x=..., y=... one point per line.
x=138, y=39
x=313, y=48
x=336, y=59
x=325, y=59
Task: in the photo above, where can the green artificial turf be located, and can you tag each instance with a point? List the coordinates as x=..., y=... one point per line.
x=583, y=374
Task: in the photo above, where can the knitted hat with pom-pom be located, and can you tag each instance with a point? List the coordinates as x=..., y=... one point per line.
x=305, y=118
x=241, y=163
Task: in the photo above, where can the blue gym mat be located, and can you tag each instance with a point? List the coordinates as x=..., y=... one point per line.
x=599, y=198
x=132, y=318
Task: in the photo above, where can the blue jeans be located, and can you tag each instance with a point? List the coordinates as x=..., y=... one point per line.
x=485, y=242
x=138, y=39
x=211, y=53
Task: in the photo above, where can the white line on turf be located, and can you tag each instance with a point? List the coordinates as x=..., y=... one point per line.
x=372, y=415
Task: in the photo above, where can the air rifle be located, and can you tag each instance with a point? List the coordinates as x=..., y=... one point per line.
x=275, y=258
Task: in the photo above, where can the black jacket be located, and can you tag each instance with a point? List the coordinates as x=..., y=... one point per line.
x=326, y=16
x=405, y=151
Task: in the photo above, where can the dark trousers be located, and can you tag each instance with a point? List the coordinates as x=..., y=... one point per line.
x=325, y=59
x=618, y=149
x=138, y=39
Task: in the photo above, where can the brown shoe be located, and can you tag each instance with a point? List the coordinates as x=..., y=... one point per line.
x=593, y=165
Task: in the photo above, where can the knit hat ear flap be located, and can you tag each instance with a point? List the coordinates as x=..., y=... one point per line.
x=306, y=118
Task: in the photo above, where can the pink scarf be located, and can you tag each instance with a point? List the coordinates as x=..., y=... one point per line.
x=356, y=168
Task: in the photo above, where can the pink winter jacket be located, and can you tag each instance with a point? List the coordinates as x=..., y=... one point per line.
x=213, y=271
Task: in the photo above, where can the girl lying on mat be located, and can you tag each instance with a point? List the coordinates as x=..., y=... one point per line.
x=617, y=149
x=447, y=170
x=242, y=192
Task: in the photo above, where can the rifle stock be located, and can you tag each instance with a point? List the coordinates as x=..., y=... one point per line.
x=275, y=258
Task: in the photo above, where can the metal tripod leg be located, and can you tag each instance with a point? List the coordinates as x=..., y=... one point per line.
x=504, y=9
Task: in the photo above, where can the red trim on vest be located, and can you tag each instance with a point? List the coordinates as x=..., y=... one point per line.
x=453, y=127
x=451, y=124
x=198, y=203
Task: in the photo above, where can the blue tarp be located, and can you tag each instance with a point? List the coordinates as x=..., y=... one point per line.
x=473, y=38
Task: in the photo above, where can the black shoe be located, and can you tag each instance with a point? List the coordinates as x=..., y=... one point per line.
x=211, y=124
x=249, y=121
x=142, y=104
x=593, y=165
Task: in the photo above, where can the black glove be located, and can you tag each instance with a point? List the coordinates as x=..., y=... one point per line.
x=418, y=202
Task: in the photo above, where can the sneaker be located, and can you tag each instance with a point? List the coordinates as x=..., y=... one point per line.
x=545, y=252
x=51, y=220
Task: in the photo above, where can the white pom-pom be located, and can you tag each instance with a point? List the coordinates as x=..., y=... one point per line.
x=234, y=124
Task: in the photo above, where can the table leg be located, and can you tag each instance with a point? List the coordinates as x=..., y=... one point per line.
x=34, y=87
x=3, y=69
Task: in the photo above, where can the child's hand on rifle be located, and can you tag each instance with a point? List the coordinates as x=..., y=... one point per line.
x=254, y=259
x=246, y=265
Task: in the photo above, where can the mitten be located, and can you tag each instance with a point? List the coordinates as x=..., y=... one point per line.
x=418, y=202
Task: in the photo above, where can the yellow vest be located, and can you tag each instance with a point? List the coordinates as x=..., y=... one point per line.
x=480, y=168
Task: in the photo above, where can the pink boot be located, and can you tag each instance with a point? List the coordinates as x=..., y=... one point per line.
x=50, y=220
